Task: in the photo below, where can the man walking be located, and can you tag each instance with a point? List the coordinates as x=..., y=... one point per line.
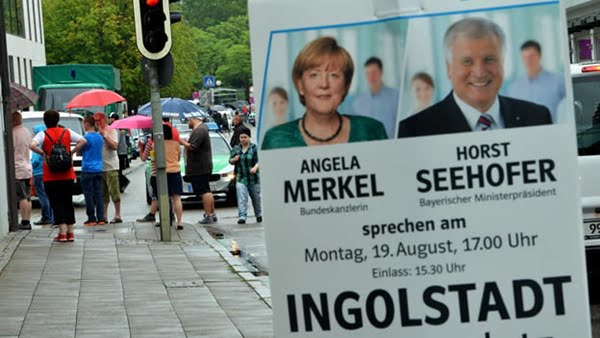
x=199, y=166
x=91, y=175
x=238, y=128
x=110, y=166
x=21, y=140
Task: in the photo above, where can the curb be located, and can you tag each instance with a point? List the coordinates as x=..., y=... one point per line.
x=8, y=245
x=238, y=267
x=243, y=253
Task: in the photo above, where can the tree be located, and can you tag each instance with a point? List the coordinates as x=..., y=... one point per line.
x=95, y=31
x=206, y=13
x=236, y=71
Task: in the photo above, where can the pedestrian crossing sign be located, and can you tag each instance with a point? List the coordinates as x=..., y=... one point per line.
x=208, y=81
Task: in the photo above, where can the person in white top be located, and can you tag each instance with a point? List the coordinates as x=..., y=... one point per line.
x=110, y=170
x=21, y=140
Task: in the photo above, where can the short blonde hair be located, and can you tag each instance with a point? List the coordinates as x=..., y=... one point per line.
x=312, y=55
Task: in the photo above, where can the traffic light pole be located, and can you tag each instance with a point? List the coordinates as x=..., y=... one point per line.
x=159, y=153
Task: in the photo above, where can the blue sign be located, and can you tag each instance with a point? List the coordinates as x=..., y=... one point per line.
x=208, y=81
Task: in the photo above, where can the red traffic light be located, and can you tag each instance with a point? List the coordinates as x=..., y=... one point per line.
x=152, y=3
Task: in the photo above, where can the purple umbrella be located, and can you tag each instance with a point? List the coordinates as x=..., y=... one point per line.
x=20, y=97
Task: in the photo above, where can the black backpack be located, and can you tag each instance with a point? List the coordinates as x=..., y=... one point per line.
x=59, y=159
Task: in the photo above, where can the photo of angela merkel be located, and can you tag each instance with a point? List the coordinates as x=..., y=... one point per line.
x=322, y=75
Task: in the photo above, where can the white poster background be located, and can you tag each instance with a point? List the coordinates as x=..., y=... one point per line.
x=554, y=220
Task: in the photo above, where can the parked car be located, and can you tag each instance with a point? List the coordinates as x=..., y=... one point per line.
x=225, y=112
x=222, y=180
x=68, y=120
x=586, y=100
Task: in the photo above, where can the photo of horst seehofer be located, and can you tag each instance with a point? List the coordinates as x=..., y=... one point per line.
x=474, y=49
x=322, y=74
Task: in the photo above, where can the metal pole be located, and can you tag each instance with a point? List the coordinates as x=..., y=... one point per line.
x=13, y=217
x=159, y=153
x=594, y=45
x=573, y=48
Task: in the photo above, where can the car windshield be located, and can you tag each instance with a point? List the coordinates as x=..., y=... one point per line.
x=586, y=91
x=58, y=98
x=219, y=146
x=73, y=123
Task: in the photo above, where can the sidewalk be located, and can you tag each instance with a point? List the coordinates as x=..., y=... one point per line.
x=121, y=281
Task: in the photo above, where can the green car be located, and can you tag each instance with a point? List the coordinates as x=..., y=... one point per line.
x=222, y=180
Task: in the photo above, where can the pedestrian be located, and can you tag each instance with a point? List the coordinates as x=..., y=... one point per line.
x=199, y=166
x=22, y=157
x=245, y=158
x=91, y=174
x=110, y=166
x=238, y=127
x=151, y=215
x=122, y=152
x=174, y=182
x=58, y=184
x=38, y=183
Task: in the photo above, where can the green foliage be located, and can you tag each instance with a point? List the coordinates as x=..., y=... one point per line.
x=95, y=31
x=236, y=71
x=207, y=13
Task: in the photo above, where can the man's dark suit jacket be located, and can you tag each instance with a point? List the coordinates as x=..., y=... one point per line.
x=445, y=117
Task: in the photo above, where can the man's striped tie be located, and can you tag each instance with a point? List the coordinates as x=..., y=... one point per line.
x=485, y=122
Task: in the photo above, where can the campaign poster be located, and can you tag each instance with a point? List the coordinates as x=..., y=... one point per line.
x=418, y=169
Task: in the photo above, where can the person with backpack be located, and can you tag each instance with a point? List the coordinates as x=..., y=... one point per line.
x=245, y=158
x=54, y=144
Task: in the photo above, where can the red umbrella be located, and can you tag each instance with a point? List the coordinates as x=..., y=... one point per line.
x=133, y=122
x=95, y=98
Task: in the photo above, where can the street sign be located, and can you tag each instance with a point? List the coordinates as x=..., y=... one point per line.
x=208, y=81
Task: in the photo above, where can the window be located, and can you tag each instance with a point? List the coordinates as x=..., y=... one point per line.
x=31, y=72
x=19, y=69
x=25, y=72
x=35, y=22
x=13, y=15
x=29, y=12
x=40, y=27
x=11, y=69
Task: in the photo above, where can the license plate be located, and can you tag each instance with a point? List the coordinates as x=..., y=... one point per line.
x=213, y=186
x=591, y=228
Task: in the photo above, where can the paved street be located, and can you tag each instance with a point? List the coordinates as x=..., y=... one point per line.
x=121, y=281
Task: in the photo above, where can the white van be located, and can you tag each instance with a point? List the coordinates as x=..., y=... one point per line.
x=67, y=120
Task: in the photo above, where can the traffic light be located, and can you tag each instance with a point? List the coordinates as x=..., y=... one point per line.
x=153, y=27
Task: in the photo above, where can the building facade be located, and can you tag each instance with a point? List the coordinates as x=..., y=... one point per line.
x=24, y=39
x=25, y=49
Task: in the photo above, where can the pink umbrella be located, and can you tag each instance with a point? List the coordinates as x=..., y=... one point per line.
x=94, y=98
x=133, y=122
